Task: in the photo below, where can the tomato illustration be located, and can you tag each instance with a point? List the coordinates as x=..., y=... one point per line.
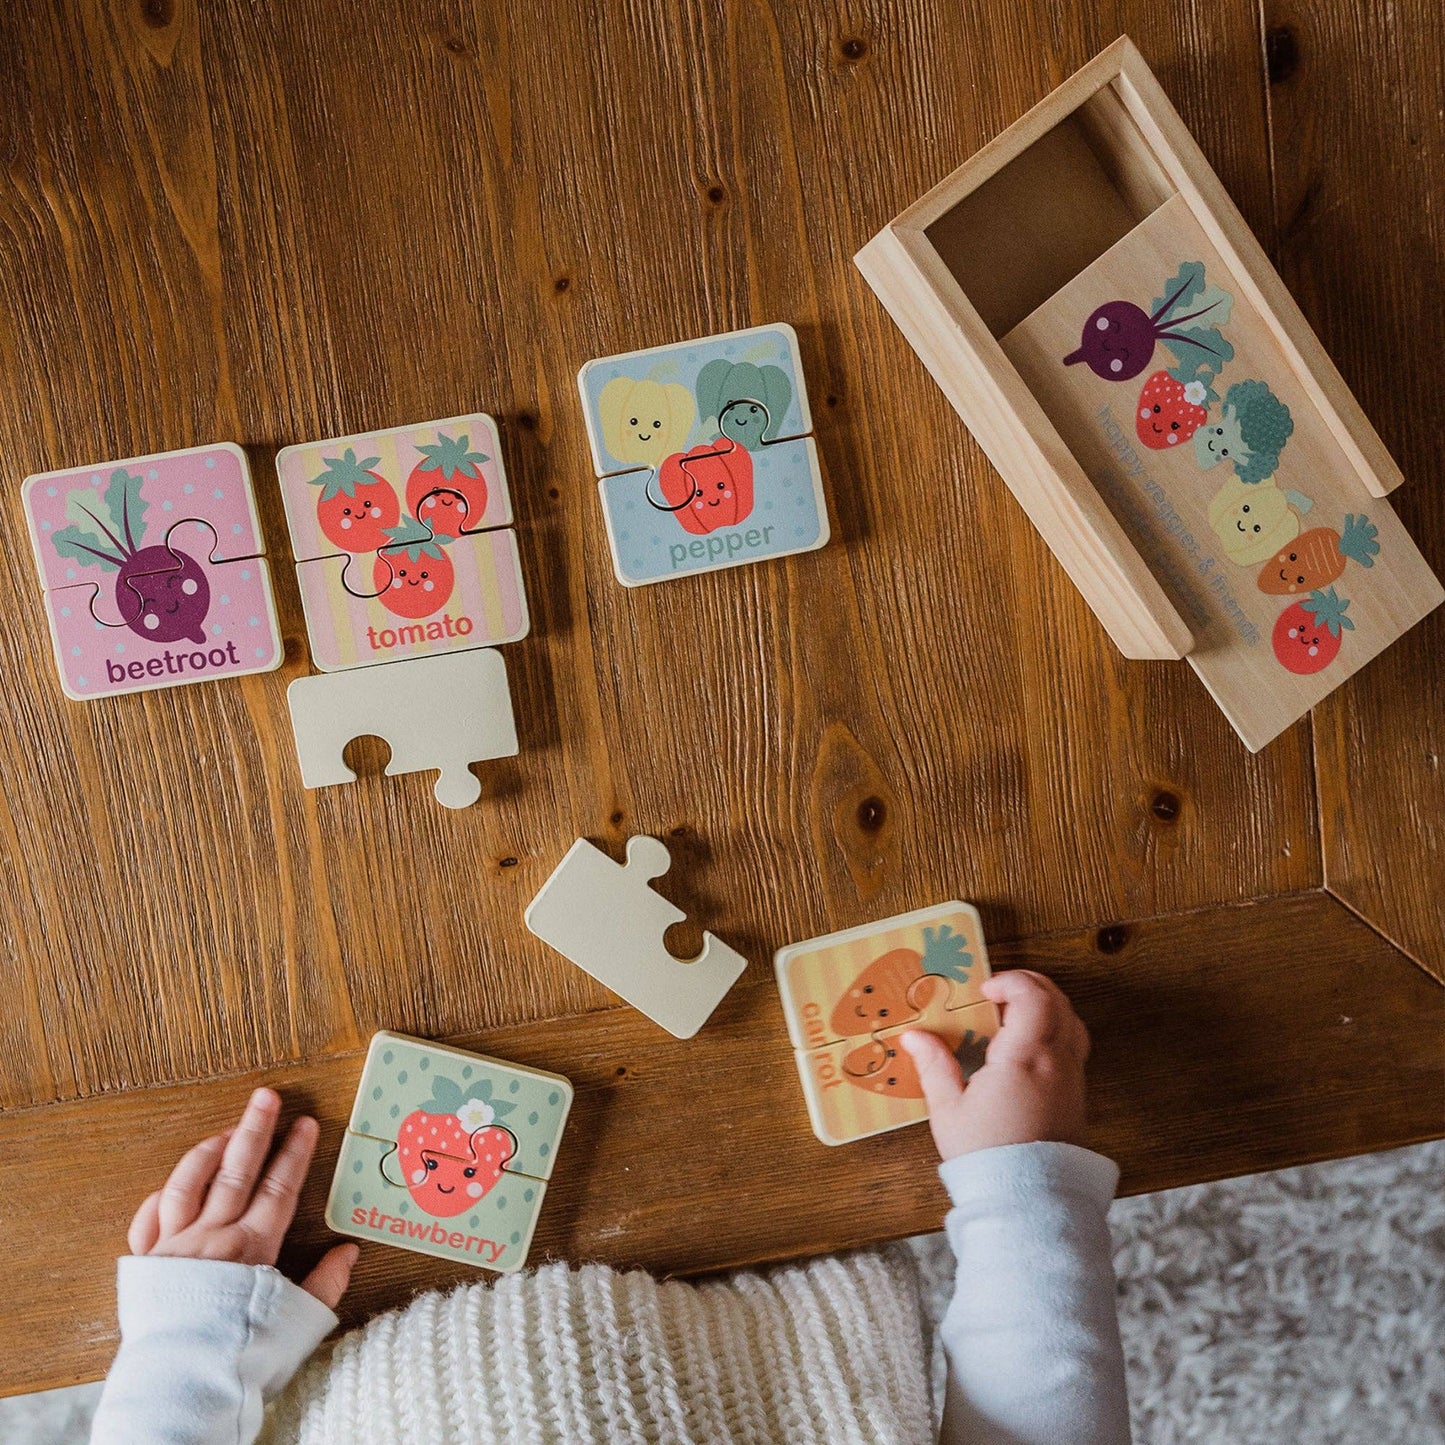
x=708, y=487
x=446, y=488
x=414, y=576
x=356, y=505
x=1309, y=634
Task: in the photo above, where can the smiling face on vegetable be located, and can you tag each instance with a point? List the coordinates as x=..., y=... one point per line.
x=1252, y=520
x=1219, y=441
x=645, y=421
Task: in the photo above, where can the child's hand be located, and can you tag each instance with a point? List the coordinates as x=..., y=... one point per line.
x=217, y=1204
x=1031, y=1086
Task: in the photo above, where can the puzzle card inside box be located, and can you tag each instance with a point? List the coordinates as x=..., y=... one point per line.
x=1182, y=408
x=152, y=571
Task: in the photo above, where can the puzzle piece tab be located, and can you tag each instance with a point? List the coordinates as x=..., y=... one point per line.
x=151, y=571
x=847, y=996
x=606, y=919
x=703, y=456
x=399, y=543
x=448, y=1152
x=435, y=712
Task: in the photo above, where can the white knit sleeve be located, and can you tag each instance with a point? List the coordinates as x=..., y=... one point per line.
x=1032, y=1333
x=204, y=1344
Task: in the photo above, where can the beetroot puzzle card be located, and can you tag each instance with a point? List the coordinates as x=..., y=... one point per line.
x=152, y=571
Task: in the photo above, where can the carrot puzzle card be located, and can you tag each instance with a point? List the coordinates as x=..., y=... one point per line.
x=152, y=571
x=403, y=542
x=703, y=454
x=848, y=996
x=448, y=1153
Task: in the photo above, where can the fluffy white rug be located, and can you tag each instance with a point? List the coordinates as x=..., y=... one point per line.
x=1300, y=1308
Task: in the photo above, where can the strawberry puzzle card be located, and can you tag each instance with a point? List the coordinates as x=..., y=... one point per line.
x=848, y=996
x=448, y=1153
x=152, y=571
x=403, y=542
x=703, y=454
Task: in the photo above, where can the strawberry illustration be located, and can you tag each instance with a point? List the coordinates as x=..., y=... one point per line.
x=451, y=1149
x=1170, y=411
x=887, y=991
x=356, y=505
x=1309, y=634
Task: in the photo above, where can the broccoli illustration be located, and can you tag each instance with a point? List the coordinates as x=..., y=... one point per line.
x=1251, y=432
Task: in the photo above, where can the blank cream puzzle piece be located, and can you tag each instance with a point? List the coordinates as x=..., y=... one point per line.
x=605, y=918
x=440, y=712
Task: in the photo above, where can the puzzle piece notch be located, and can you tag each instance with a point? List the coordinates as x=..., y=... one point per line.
x=443, y=712
x=879, y=975
x=607, y=919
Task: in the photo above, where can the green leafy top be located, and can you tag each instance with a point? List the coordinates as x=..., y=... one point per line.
x=450, y=455
x=944, y=953
x=416, y=540
x=1201, y=370
x=1328, y=610
x=104, y=531
x=1188, y=298
x=345, y=474
x=1357, y=541
x=447, y=1096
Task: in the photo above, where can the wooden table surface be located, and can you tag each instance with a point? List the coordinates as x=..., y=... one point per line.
x=272, y=223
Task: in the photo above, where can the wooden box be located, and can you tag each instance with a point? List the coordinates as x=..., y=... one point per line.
x=1097, y=311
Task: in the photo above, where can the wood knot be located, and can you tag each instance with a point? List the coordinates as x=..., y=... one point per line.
x=1164, y=805
x=717, y=195
x=872, y=814
x=1112, y=939
x=1281, y=53
x=617, y=818
x=561, y=284
x=506, y=863
x=157, y=13
x=854, y=49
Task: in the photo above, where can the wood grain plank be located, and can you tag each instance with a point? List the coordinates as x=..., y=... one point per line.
x=1226, y=1041
x=1358, y=165
x=287, y=222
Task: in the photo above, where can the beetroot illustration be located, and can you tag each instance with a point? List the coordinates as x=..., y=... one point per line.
x=160, y=592
x=1119, y=337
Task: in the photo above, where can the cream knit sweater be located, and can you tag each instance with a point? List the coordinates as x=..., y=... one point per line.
x=839, y=1349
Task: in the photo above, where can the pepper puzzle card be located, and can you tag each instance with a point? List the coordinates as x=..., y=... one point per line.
x=448, y=1153
x=703, y=455
x=848, y=996
x=152, y=571
x=402, y=542
x=1179, y=403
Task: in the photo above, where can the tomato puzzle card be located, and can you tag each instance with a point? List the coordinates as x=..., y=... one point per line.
x=152, y=571
x=402, y=542
x=448, y=1153
x=702, y=453
x=847, y=996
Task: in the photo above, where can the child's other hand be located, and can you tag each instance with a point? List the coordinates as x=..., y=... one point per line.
x=218, y=1204
x=1031, y=1086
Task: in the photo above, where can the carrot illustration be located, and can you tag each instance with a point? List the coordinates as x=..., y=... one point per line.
x=1317, y=557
